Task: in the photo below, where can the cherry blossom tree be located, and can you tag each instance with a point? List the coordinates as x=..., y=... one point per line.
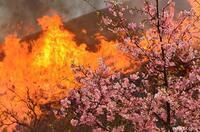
x=163, y=95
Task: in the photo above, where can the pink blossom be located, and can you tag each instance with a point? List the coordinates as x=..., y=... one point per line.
x=74, y=122
x=110, y=118
x=106, y=20
x=165, y=85
x=132, y=26
x=134, y=77
x=118, y=129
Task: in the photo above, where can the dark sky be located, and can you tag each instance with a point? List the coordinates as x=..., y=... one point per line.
x=17, y=15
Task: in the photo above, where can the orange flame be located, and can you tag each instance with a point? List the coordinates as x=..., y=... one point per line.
x=195, y=5
x=47, y=68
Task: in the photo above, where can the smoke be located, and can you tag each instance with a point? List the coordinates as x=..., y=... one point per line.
x=20, y=15
x=14, y=14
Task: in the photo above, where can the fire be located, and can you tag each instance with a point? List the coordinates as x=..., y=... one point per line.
x=195, y=5
x=46, y=69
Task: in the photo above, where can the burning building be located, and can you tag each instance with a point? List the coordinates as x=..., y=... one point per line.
x=37, y=67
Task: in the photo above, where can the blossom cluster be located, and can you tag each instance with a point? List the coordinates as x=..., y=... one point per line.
x=162, y=95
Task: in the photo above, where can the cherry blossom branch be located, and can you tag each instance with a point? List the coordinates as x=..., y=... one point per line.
x=168, y=108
